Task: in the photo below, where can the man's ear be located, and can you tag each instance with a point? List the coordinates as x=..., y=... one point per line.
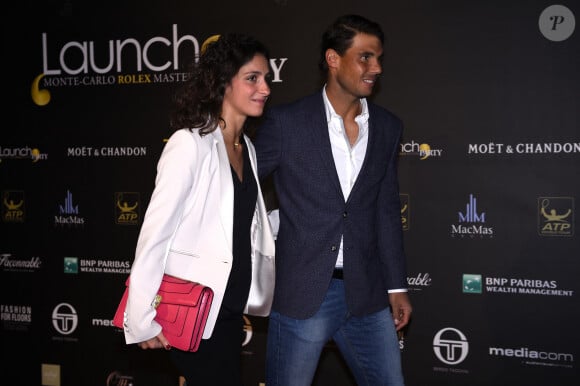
x=331, y=58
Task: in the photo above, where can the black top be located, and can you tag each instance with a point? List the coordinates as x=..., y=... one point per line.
x=238, y=287
x=217, y=361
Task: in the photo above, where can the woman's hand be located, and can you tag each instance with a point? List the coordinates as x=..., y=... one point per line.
x=154, y=343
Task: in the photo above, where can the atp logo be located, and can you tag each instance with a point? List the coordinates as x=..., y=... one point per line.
x=556, y=216
x=13, y=208
x=127, y=208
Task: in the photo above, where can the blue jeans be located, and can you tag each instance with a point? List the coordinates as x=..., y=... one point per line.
x=368, y=344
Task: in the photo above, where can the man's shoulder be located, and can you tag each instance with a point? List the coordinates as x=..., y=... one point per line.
x=378, y=112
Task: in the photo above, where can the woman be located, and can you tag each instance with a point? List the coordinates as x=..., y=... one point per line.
x=206, y=221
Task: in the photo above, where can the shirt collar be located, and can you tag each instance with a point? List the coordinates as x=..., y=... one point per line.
x=363, y=117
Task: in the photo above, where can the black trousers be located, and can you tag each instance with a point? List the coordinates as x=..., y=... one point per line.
x=217, y=362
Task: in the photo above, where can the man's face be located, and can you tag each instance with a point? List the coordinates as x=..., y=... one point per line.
x=358, y=69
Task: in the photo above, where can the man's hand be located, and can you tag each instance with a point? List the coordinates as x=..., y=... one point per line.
x=401, y=308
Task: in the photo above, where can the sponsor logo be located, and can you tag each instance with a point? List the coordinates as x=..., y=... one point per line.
x=421, y=150
x=471, y=223
x=65, y=319
x=106, y=151
x=418, y=282
x=8, y=263
x=401, y=338
x=471, y=284
x=531, y=357
x=71, y=265
x=127, y=211
x=68, y=212
x=13, y=208
x=527, y=148
x=58, y=70
x=103, y=266
x=50, y=374
x=405, y=211
x=25, y=152
x=524, y=286
x=451, y=347
x=556, y=216
x=16, y=317
x=97, y=322
x=116, y=378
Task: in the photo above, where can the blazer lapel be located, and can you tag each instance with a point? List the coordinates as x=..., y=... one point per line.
x=321, y=141
x=226, y=186
x=373, y=148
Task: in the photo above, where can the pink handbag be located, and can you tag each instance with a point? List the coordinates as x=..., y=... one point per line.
x=182, y=309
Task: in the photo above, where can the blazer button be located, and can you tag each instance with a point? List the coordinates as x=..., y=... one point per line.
x=333, y=248
x=345, y=215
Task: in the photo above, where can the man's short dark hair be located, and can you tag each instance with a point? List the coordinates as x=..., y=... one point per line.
x=339, y=35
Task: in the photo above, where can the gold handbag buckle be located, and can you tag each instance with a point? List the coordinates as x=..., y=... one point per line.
x=157, y=301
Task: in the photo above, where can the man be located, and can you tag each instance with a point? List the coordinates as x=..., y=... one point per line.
x=339, y=253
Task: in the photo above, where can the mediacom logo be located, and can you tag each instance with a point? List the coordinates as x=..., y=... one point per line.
x=534, y=357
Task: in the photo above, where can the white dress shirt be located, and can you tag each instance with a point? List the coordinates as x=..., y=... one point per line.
x=348, y=159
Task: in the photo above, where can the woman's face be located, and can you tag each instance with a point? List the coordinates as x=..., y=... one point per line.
x=248, y=90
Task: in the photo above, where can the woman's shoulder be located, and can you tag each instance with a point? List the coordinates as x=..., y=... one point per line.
x=190, y=135
x=189, y=143
x=182, y=134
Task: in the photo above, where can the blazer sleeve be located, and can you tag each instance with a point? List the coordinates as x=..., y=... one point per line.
x=268, y=143
x=389, y=220
x=172, y=185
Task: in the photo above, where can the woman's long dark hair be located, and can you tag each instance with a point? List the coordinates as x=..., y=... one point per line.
x=198, y=103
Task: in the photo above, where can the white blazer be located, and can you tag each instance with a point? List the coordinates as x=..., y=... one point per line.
x=187, y=232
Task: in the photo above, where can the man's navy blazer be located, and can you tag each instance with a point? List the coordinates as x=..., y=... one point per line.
x=293, y=143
